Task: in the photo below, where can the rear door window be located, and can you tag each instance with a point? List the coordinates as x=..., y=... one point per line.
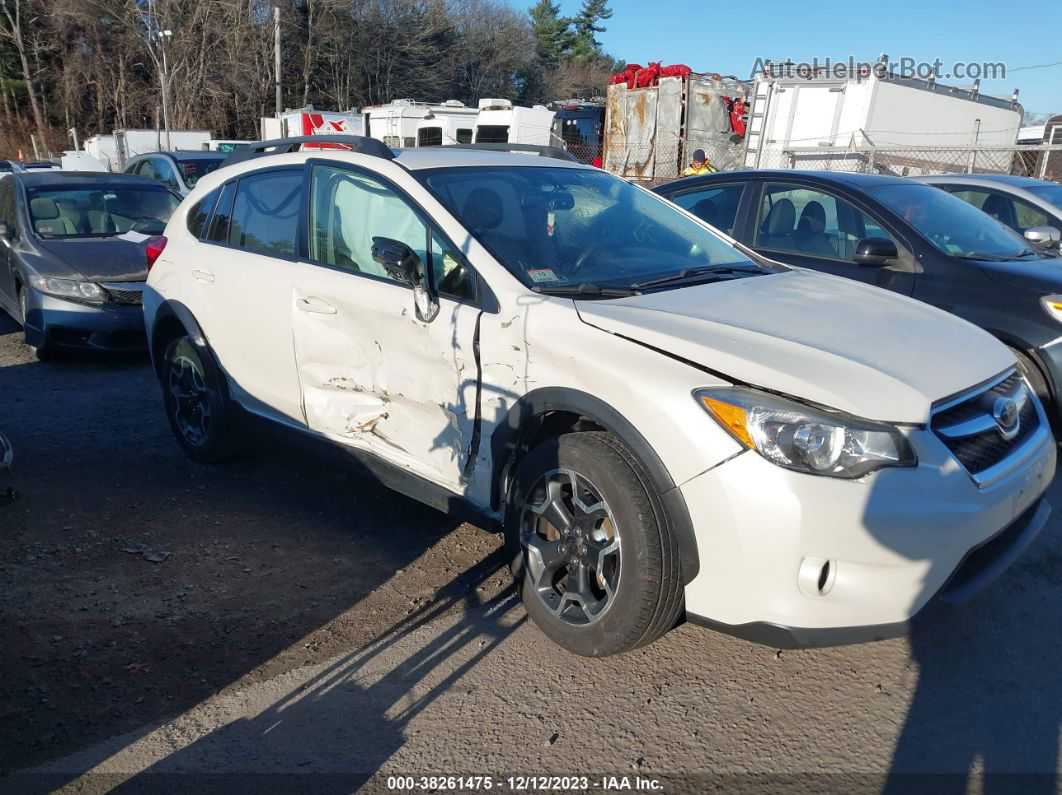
x=200, y=213
x=265, y=213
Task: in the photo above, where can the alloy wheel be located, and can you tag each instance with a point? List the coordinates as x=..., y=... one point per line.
x=191, y=400
x=571, y=546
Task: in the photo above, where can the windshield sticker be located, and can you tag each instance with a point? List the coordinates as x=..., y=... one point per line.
x=551, y=223
x=542, y=275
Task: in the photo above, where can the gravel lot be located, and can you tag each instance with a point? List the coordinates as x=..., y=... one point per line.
x=282, y=616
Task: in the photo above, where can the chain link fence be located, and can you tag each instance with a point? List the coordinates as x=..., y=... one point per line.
x=1041, y=162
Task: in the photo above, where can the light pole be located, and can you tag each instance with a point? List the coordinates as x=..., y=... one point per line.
x=164, y=78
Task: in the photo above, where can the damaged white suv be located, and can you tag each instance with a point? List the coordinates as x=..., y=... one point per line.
x=664, y=425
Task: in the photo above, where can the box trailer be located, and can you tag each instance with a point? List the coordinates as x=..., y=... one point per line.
x=309, y=121
x=651, y=130
x=501, y=122
x=867, y=110
x=130, y=143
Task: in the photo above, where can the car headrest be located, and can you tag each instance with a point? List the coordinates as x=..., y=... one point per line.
x=813, y=218
x=44, y=209
x=782, y=217
x=996, y=206
x=706, y=210
x=482, y=209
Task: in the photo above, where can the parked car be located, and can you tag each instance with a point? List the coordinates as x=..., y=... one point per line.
x=73, y=262
x=40, y=165
x=663, y=424
x=8, y=494
x=179, y=171
x=894, y=233
x=1024, y=204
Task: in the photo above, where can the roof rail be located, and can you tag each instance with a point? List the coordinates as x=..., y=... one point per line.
x=542, y=151
x=357, y=143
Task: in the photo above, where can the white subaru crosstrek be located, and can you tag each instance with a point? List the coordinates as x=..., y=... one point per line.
x=663, y=424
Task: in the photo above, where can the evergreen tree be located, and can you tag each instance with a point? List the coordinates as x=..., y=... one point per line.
x=586, y=25
x=552, y=32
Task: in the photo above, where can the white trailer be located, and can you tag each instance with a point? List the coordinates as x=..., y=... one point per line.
x=835, y=115
x=407, y=123
x=499, y=121
x=309, y=121
x=104, y=149
x=130, y=143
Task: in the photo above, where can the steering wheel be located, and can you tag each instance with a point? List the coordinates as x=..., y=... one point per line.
x=145, y=224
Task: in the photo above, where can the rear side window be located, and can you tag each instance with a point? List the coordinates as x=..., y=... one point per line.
x=464, y=136
x=716, y=204
x=219, y=224
x=265, y=213
x=429, y=136
x=200, y=213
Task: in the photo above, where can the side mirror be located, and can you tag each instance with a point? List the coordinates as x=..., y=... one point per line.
x=398, y=259
x=874, y=252
x=403, y=265
x=1043, y=237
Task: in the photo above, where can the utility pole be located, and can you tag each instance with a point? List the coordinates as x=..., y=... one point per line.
x=276, y=56
x=72, y=132
x=164, y=76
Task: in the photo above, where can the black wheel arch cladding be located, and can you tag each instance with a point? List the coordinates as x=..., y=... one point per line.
x=510, y=440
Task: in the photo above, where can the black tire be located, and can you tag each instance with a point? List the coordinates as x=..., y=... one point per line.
x=647, y=598
x=205, y=423
x=46, y=352
x=1028, y=368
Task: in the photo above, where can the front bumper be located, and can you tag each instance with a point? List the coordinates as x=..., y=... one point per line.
x=896, y=544
x=52, y=321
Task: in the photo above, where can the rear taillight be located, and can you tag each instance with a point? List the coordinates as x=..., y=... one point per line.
x=154, y=248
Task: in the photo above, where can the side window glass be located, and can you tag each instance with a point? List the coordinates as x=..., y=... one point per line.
x=219, y=224
x=1028, y=216
x=812, y=223
x=347, y=210
x=147, y=169
x=200, y=212
x=449, y=270
x=164, y=172
x=975, y=197
x=717, y=205
x=265, y=213
x=7, y=206
x=464, y=136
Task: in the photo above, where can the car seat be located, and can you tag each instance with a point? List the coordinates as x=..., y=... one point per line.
x=1000, y=208
x=707, y=211
x=810, y=234
x=776, y=231
x=47, y=220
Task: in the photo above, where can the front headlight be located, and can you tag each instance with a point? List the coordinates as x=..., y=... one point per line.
x=806, y=439
x=1052, y=305
x=75, y=290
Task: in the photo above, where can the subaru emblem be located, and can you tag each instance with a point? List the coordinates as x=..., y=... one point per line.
x=1005, y=413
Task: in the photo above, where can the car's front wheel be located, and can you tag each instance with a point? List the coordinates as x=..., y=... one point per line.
x=595, y=561
x=205, y=423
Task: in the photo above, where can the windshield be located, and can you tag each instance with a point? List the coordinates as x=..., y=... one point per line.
x=101, y=211
x=553, y=227
x=192, y=169
x=1050, y=193
x=950, y=224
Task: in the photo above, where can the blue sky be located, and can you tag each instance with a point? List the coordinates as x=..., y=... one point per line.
x=729, y=37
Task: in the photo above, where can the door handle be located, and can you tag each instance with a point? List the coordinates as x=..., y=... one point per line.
x=202, y=276
x=315, y=305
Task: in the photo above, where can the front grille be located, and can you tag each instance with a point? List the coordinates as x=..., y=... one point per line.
x=969, y=429
x=128, y=294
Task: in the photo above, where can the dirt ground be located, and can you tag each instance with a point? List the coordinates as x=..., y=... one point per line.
x=282, y=616
x=136, y=583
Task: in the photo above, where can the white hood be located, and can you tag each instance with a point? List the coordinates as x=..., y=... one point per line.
x=828, y=340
